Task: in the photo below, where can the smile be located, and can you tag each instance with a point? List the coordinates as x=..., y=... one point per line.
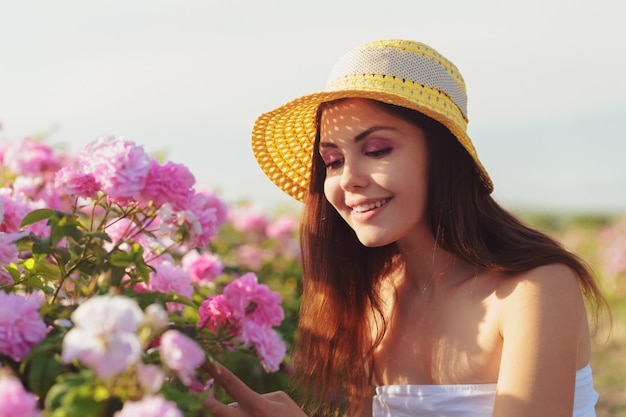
x=362, y=208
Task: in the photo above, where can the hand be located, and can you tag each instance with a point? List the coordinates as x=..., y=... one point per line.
x=249, y=403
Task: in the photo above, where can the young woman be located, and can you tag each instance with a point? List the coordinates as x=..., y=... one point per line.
x=422, y=296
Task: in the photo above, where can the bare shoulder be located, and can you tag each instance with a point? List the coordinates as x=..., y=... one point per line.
x=556, y=283
x=545, y=307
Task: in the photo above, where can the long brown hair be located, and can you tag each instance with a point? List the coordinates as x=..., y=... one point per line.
x=333, y=353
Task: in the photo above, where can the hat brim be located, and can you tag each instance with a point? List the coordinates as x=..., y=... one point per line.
x=283, y=139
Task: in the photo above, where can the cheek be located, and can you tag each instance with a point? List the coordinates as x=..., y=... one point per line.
x=332, y=191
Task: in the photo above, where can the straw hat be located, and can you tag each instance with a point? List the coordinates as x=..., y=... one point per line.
x=405, y=73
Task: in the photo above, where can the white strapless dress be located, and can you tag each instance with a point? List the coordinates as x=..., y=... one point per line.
x=472, y=400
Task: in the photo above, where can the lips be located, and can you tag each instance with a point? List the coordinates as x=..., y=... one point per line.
x=362, y=208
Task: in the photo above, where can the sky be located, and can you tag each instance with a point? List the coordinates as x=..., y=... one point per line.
x=545, y=81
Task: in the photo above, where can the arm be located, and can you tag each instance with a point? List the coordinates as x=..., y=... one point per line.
x=545, y=338
x=249, y=403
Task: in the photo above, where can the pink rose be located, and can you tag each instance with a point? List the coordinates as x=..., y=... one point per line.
x=181, y=354
x=30, y=157
x=51, y=197
x=168, y=277
x=202, y=267
x=29, y=186
x=205, y=213
x=171, y=183
x=250, y=256
x=254, y=301
x=613, y=248
x=8, y=255
x=217, y=314
x=149, y=406
x=282, y=227
x=21, y=326
x=8, y=249
x=35, y=188
x=221, y=209
x=16, y=207
x=15, y=400
x=198, y=223
x=118, y=165
x=257, y=309
x=74, y=182
x=267, y=344
x=248, y=218
x=151, y=377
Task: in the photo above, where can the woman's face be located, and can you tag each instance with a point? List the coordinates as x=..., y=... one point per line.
x=376, y=171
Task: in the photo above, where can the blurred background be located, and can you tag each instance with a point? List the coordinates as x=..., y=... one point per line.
x=545, y=81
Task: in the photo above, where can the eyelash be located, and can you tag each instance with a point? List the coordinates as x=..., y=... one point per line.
x=377, y=153
x=334, y=164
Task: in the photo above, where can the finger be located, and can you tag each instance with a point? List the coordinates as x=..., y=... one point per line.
x=235, y=387
x=218, y=409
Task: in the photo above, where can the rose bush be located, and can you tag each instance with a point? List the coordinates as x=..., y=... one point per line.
x=115, y=285
x=113, y=291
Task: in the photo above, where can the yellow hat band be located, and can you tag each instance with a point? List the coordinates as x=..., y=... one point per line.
x=419, y=66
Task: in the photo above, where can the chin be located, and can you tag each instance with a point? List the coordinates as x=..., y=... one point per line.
x=374, y=241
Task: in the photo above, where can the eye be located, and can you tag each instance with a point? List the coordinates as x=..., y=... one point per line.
x=332, y=160
x=334, y=164
x=377, y=147
x=379, y=152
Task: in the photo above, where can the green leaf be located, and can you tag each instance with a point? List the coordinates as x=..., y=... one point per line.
x=58, y=392
x=117, y=274
x=64, y=226
x=98, y=235
x=35, y=281
x=143, y=270
x=29, y=263
x=144, y=299
x=122, y=259
x=41, y=245
x=75, y=396
x=37, y=216
x=177, y=298
x=80, y=402
x=191, y=404
x=14, y=271
x=43, y=371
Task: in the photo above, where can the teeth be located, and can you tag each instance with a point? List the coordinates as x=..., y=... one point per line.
x=365, y=207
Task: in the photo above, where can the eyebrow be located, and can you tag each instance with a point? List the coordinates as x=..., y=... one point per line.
x=360, y=136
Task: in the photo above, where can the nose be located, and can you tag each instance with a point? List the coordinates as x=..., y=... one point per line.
x=353, y=176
